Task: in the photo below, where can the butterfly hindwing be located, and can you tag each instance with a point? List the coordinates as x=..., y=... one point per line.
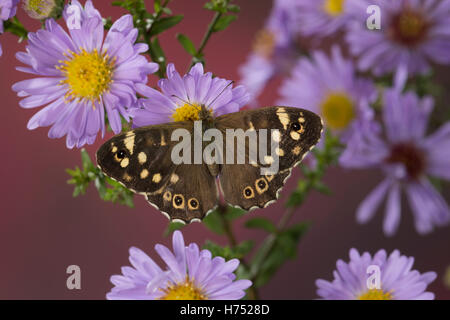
x=189, y=194
x=295, y=130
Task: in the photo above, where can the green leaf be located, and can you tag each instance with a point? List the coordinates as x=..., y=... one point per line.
x=86, y=160
x=163, y=24
x=226, y=252
x=157, y=6
x=261, y=223
x=173, y=226
x=223, y=23
x=214, y=222
x=158, y=52
x=295, y=199
x=15, y=27
x=108, y=189
x=243, y=248
x=187, y=44
x=322, y=188
x=234, y=213
x=284, y=247
x=234, y=8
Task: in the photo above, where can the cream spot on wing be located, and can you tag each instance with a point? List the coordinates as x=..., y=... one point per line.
x=301, y=120
x=142, y=157
x=144, y=174
x=297, y=150
x=251, y=127
x=127, y=177
x=114, y=149
x=283, y=117
x=129, y=141
x=295, y=135
x=279, y=152
x=163, y=140
x=167, y=196
x=174, y=178
x=124, y=163
x=156, y=178
x=276, y=136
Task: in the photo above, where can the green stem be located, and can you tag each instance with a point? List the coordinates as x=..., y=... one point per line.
x=148, y=40
x=269, y=242
x=252, y=291
x=205, y=39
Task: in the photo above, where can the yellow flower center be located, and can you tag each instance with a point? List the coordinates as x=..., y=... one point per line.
x=375, y=294
x=188, y=112
x=264, y=43
x=338, y=110
x=334, y=7
x=88, y=74
x=183, y=291
x=409, y=27
x=39, y=9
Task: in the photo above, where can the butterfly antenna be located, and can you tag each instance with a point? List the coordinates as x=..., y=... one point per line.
x=229, y=84
x=186, y=102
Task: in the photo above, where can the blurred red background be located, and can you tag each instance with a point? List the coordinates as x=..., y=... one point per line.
x=43, y=229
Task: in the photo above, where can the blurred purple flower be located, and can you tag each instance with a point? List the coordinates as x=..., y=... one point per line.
x=8, y=10
x=321, y=18
x=329, y=86
x=182, y=97
x=273, y=49
x=413, y=34
x=191, y=274
x=82, y=74
x=397, y=280
x=407, y=156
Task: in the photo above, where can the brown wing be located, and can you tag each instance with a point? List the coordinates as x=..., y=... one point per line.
x=189, y=195
x=141, y=160
x=295, y=132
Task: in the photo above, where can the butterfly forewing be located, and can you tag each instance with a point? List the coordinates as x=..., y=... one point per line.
x=141, y=160
x=295, y=131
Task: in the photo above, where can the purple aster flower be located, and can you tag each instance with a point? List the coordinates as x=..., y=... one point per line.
x=191, y=274
x=413, y=34
x=273, y=49
x=321, y=18
x=329, y=86
x=407, y=156
x=397, y=280
x=182, y=97
x=8, y=10
x=82, y=73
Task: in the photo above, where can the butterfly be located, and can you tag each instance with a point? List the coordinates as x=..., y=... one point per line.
x=142, y=161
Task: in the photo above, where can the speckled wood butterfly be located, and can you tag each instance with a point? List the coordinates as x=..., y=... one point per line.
x=141, y=160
